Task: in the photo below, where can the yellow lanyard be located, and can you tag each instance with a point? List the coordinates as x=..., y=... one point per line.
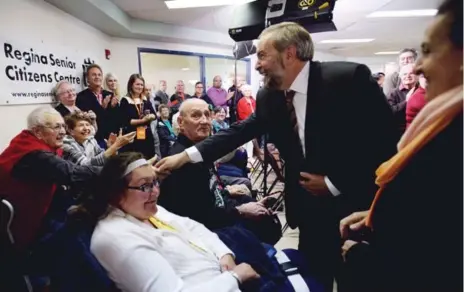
x=162, y=225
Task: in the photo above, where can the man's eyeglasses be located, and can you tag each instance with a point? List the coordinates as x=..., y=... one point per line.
x=56, y=128
x=70, y=91
x=146, y=188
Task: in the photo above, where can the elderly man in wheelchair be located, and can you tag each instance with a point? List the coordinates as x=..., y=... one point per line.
x=31, y=175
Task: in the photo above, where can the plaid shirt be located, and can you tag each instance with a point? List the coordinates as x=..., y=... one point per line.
x=88, y=153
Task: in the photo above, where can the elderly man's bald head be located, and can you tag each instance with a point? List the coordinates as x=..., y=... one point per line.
x=190, y=103
x=194, y=119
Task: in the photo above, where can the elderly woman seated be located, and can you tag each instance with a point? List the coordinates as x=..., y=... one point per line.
x=144, y=247
x=81, y=147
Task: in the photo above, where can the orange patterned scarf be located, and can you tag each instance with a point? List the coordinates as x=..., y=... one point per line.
x=431, y=120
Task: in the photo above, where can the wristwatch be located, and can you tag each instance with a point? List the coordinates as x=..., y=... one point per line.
x=236, y=276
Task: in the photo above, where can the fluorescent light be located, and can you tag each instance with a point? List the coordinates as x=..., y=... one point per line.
x=185, y=69
x=387, y=53
x=177, y=4
x=404, y=13
x=346, y=41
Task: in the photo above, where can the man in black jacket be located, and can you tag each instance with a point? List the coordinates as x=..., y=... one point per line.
x=332, y=126
x=187, y=192
x=31, y=175
x=102, y=102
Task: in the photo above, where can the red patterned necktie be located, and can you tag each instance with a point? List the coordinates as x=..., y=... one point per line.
x=289, y=96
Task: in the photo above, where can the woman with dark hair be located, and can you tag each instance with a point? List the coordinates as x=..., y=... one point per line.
x=136, y=114
x=415, y=223
x=144, y=247
x=219, y=122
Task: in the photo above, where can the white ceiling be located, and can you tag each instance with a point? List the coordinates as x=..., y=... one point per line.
x=390, y=34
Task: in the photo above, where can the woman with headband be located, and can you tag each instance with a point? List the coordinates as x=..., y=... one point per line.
x=144, y=247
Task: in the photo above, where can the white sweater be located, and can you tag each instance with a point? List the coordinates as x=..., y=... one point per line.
x=140, y=258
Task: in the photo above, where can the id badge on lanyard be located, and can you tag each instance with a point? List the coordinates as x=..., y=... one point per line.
x=140, y=131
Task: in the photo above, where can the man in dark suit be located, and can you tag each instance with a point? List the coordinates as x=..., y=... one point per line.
x=102, y=102
x=331, y=124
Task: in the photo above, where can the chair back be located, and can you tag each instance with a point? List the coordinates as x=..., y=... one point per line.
x=9, y=269
x=6, y=218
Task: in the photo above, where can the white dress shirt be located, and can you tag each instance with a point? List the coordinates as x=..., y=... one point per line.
x=300, y=86
x=141, y=258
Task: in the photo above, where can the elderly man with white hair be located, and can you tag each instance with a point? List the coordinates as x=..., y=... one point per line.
x=31, y=168
x=207, y=206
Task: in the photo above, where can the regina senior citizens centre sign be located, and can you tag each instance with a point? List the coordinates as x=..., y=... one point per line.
x=30, y=72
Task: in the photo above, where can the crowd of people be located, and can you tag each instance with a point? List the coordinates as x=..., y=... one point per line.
x=373, y=177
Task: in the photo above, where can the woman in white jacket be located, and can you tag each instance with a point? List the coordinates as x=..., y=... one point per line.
x=144, y=247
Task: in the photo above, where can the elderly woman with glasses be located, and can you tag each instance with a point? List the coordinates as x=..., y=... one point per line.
x=411, y=238
x=144, y=247
x=65, y=94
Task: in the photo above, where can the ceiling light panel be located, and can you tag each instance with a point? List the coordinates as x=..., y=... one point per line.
x=387, y=53
x=346, y=41
x=178, y=4
x=403, y=13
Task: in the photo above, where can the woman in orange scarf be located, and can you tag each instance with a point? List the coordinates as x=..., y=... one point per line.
x=415, y=223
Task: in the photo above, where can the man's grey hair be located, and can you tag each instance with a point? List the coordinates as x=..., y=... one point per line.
x=287, y=34
x=39, y=115
x=408, y=50
x=56, y=90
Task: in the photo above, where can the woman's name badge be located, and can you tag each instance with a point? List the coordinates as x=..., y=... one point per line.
x=141, y=135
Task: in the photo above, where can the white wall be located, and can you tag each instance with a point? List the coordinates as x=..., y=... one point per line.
x=35, y=22
x=376, y=64
x=124, y=57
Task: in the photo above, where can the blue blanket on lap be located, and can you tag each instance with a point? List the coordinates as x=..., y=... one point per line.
x=248, y=249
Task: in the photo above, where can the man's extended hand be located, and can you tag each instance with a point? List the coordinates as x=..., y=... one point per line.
x=314, y=184
x=164, y=167
x=227, y=263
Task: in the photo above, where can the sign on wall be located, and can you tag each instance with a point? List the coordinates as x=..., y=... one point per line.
x=29, y=72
